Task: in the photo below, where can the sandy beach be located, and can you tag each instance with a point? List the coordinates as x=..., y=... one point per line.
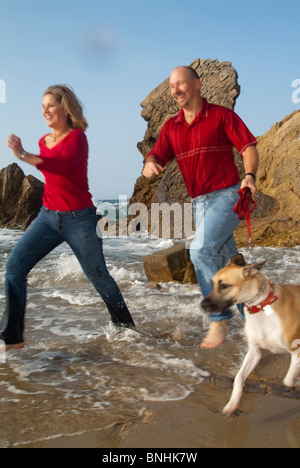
x=269, y=417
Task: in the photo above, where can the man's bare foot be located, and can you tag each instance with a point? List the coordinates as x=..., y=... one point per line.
x=6, y=347
x=216, y=335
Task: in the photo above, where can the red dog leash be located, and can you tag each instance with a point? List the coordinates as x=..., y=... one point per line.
x=244, y=207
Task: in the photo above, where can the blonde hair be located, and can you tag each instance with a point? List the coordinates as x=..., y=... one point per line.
x=66, y=97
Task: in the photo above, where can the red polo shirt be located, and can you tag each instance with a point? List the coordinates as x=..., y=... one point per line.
x=204, y=149
x=65, y=170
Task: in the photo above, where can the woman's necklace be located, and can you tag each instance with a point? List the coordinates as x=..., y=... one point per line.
x=54, y=137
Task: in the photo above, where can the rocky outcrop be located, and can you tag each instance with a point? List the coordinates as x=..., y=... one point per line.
x=277, y=221
x=171, y=264
x=20, y=197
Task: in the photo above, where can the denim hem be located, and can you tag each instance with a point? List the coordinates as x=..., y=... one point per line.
x=221, y=316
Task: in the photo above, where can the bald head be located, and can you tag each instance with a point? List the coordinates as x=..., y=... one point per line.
x=190, y=71
x=185, y=87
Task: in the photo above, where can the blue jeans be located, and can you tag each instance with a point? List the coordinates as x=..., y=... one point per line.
x=50, y=229
x=214, y=244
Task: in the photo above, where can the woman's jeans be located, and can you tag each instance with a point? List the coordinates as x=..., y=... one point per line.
x=50, y=229
x=214, y=244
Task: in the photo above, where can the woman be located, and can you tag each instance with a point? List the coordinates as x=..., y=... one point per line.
x=67, y=214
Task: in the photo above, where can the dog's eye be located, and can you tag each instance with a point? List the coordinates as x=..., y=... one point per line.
x=224, y=286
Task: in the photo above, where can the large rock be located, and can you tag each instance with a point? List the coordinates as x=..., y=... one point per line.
x=20, y=197
x=171, y=264
x=277, y=220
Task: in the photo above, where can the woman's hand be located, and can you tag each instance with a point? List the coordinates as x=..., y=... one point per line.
x=15, y=144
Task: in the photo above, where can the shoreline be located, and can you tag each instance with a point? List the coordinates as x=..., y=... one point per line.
x=268, y=417
x=264, y=421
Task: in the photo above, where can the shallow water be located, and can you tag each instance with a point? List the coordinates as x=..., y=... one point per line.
x=77, y=372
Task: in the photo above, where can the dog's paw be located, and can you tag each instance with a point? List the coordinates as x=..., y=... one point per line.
x=229, y=409
x=289, y=382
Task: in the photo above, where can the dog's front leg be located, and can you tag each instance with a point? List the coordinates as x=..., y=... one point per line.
x=294, y=369
x=251, y=360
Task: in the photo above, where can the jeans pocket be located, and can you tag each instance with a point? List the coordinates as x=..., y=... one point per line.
x=85, y=214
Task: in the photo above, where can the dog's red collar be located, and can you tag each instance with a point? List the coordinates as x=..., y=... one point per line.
x=270, y=299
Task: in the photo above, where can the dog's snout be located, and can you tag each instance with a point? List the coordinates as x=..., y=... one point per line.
x=207, y=304
x=212, y=305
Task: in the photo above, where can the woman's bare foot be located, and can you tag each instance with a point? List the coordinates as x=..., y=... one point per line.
x=6, y=347
x=216, y=335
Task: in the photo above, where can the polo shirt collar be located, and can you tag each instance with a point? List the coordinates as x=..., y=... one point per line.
x=202, y=114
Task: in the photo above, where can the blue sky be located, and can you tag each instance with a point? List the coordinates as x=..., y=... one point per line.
x=114, y=52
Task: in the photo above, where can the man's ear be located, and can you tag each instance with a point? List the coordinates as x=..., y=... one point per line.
x=198, y=83
x=251, y=270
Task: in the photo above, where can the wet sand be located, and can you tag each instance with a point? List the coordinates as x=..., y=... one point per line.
x=269, y=417
x=264, y=422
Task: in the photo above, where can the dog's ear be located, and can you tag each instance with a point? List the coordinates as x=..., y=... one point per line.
x=237, y=260
x=252, y=269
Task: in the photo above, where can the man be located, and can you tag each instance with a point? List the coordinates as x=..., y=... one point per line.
x=201, y=137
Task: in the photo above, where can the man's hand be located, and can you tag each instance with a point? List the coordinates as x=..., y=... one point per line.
x=251, y=161
x=249, y=182
x=151, y=169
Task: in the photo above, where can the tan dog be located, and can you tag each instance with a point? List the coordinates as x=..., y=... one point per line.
x=272, y=318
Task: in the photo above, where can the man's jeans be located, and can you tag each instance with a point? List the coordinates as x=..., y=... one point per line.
x=50, y=229
x=214, y=244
